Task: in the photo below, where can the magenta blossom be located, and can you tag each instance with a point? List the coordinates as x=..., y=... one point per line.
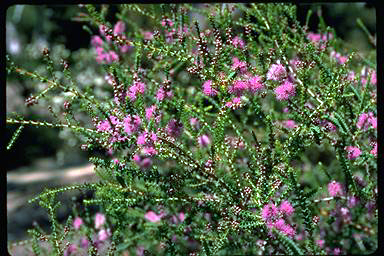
x=285, y=91
x=238, y=42
x=276, y=72
x=239, y=65
x=99, y=220
x=153, y=217
x=204, y=141
x=334, y=188
x=254, y=84
x=104, y=234
x=174, y=128
x=208, y=90
x=374, y=149
x=353, y=152
x=286, y=208
x=119, y=28
x=238, y=87
x=269, y=211
x=77, y=222
x=289, y=124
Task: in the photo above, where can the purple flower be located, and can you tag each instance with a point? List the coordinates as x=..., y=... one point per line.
x=96, y=41
x=238, y=87
x=285, y=91
x=119, y=28
x=269, y=211
x=374, y=149
x=320, y=243
x=284, y=228
x=153, y=217
x=131, y=125
x=239, y=65
x=334, y=188
x=174, y=128
x=72, y=248
x=286, y=208
x=143, y=163
x=204, y=140
x=194, y=123
x=364, y=120
x=99, y=220
x=289, y=124
x=352, y=152
x=276, y=72
x=208, y=90
x=104, y=126
x=149, y=112
x=238, y=42
x=104, y=234
x=254, y=84
x=84, y=243
x=77, y=222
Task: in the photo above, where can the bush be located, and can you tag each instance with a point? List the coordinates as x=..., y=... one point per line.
x=220, y=129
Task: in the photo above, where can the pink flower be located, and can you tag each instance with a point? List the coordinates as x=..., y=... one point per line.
x=96, y=41
x=276, y=72
x=119, y=28
x=204, y=140
x=239, y=65
x=208, y=90
x=334, y=188
x=269, y=211
x=141, y=139
x=286, y=208
x=254, y=84
x=131, y=125
x=238, y=42
x=84, y=243
x=289, y=124
x=104, y=234
x=72, y=248
x=352, y=152
x=153, y=217
x=77, y=222
x=336, y=251
x=374, y=77
x=194, y=123
x=285, y=91
x=238, y=87
x=149, y=112
x=374, y=149
x=284, y=228
x=104, y=126
x=363, y=121
x=147, y=35
x=99, y=220
x=320, y=243
x=174, y=128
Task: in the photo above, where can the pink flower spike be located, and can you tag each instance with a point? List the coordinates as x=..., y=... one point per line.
x=374, y=150
x=174, y=128
x=194, y=123
x=254, y=84
x=96, y=41
x=141, y=139
x=352, y=152
x=77, y=222
x=204, y=141
x=152, y=217
x=119, y=28
x=285, y=91
x=208, y=90
x=269, y=211
x=286, y=208
x=149, y=112
x=104, y=234
x=289, y=124
x=320, y=243
x=181, y=216
x=334, y=188
x=276, y=72
x=99, y=220
x=238, y=42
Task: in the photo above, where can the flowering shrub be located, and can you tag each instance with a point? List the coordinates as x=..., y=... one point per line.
x=206, y=131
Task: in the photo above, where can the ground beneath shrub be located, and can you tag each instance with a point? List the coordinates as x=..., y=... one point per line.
x=28, y=182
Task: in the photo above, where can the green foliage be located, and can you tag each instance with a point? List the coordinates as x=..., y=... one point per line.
x=184, y=186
